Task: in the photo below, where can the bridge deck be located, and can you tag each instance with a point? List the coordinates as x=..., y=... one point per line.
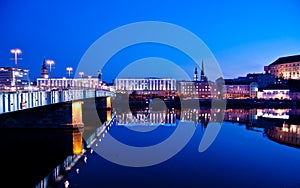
x=10, y=102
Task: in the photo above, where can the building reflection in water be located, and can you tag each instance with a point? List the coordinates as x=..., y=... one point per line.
x=167, y=117
x=287, y=134
x=280, y=125
x=147, y=117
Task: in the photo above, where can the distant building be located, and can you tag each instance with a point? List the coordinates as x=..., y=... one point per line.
x=196, y=74
x=295, y=93
x=237, y=91
x=65, y=83
x=200, y=89
x=145, y=84
x=286, y=67
x=195, y=89
x=44, y=71
x=248, y=86
x=274, y=91
x=262, y=79
x=11, y=78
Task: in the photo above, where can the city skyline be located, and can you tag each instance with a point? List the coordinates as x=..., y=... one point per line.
x=243, y=37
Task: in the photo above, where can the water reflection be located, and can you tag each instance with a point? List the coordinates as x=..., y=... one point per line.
x=280, y=125
x=29, y=155
x=287, y=134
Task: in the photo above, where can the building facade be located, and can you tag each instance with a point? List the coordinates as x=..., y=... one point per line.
x=236, y=91
x=199, y=88
x=195, y=89
x=286, y=67
x=275, y=91
x=64, y=83
x=12, y=79
x=145, y=84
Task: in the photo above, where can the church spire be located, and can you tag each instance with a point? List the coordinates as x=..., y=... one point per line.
x=195, y=74
x=202, y=76
x=44, y=71
x=202, y=69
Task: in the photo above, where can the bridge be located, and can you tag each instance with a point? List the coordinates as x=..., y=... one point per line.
x=42, y=108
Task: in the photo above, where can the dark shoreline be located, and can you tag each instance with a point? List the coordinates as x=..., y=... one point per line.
x=207, y=103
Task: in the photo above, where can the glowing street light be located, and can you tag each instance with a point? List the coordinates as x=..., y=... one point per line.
x=81, y=74
x=16, y=52
x=50, y=63
x=69, y=69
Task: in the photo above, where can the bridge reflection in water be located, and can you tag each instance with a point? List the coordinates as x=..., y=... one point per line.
x=29, y=155
x=38, y=157
x=49, y=155
x=240, y=151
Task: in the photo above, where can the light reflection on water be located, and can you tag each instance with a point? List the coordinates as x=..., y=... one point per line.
x=255, y=148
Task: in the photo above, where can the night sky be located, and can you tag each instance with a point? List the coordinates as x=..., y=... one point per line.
x=244, y=36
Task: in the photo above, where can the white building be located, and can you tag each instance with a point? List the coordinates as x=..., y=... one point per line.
x=280, y=92
x=79, y=83
x=145, y=84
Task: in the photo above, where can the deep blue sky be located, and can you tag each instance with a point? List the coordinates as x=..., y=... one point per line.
x=243, y=35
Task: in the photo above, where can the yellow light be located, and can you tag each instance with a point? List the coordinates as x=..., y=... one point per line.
x=77, y=142
x=77, y=113
x=108, y=102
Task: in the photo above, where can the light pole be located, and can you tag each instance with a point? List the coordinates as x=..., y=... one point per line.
x=16, y=52
x=50, y=63
x=81, y=74
x=69, y=69
x=81, y=81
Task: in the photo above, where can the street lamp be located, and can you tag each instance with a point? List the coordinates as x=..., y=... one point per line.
x=69, y=69
x=50, y=63
x=81, y=74
x=16, y=52
x=81, y=81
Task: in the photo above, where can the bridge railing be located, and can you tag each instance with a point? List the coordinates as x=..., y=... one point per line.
x=10, y=102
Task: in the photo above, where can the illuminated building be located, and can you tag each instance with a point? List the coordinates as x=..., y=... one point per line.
x=79, y=83
x=237, y=91
x=286, y=67
x=247, y=87
x=274, y=91
x=12, y=77
x=145, y=84
x=200, y=89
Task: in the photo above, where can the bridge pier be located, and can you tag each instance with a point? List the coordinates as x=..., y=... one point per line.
x=60, y=115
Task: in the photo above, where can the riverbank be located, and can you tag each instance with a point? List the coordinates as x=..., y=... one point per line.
x=207, y=103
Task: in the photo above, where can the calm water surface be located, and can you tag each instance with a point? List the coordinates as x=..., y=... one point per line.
x=255, y=148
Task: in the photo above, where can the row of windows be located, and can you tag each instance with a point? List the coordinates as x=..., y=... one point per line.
x=198, y=90
x=286, y=65
x=276, y=92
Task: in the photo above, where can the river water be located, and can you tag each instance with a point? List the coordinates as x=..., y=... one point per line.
x=254, y=148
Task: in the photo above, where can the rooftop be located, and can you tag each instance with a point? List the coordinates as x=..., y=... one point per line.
x=276, y=86
x=287, y=59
